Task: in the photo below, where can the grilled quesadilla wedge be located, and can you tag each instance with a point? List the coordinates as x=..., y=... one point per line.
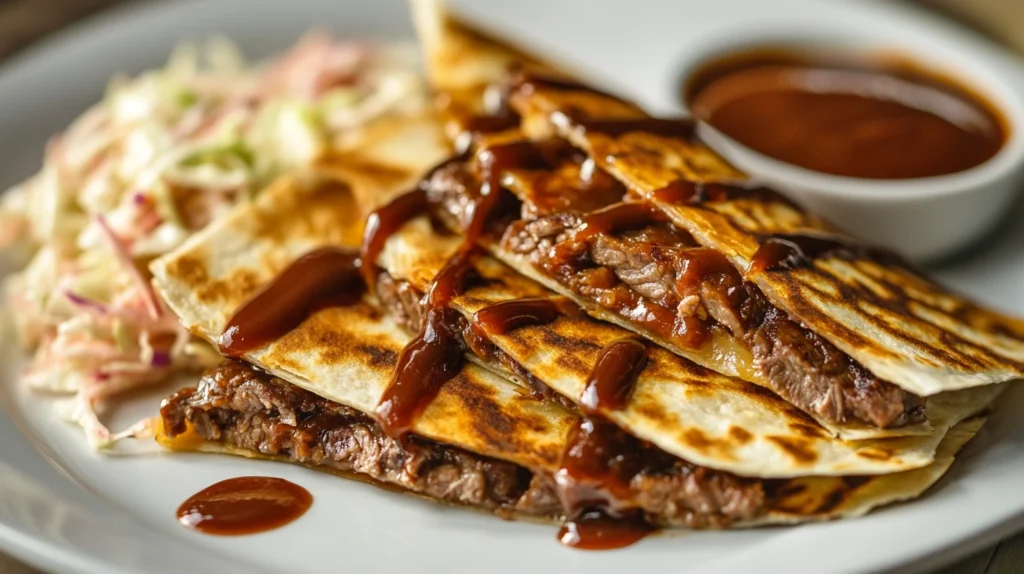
x=868, y=303
x=482, y=441
x=241, y=411
x=686, y=410
x=634, y=264
x=548, y=344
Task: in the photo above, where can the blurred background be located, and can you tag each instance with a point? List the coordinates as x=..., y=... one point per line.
x=25, y=21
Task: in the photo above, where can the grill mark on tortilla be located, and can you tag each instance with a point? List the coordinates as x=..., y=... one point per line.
x=333, y=346
x=190, y=269
x=796, y=448
x=740, y=435
x=807, y=430
x=874, y=453
x=832, y=500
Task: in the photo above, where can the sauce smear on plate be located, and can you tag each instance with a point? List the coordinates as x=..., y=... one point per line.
x=244, y=505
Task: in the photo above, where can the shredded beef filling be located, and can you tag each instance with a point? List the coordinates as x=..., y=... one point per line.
x=237, y=405
x=406, y=305
x=646, y=269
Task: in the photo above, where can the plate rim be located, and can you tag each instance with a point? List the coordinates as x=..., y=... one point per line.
x=50, y=556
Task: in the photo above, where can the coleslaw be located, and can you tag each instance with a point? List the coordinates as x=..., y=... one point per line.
x=162, y=155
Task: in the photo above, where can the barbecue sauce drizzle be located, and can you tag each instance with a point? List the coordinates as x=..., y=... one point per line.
x=601, y=459
x=325, y=276
x=438, y=352
x=690, y=331
x=432, y=357
x=679, y=128
x=381, y=224
x=500, y=318
x=783, y=252
x=611, y=382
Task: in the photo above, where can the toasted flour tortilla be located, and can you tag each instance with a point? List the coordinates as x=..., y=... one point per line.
x=347, y=355
x=898, y=325
x=793, y=501
x=344, y=354
x=687, y=410
x=715, y=421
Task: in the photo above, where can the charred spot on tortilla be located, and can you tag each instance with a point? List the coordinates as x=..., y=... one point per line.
x=740, y=435
x=796, y=448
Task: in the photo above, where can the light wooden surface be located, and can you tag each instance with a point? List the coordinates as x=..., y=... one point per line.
x=22, y=21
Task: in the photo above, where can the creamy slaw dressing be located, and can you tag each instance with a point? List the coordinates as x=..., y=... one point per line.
x=162, y=155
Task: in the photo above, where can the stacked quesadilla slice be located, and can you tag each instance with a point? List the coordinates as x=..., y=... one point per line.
x=628, y=215
x=527, y=329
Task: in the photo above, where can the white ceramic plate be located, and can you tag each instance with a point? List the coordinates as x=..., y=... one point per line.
x=67, y=509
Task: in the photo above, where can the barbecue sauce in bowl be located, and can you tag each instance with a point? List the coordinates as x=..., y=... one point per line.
x=881, y=119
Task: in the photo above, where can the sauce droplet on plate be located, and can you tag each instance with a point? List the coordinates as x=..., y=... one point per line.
x=244, y=505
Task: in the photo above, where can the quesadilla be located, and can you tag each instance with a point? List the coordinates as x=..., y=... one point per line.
x=549, y=346
x=419, y=362
x=311, y=395
x=590, y=228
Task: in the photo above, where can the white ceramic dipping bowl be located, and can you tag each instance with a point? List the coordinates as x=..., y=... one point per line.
x=924, y=219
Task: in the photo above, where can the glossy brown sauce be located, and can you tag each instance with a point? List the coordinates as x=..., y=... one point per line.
x=790, y=251
x=326, y=276
x=500, y=318
x=611, y=381
x=596, y=530
x=486, y=124
x=438, y=352
x=244, y=505
x=680, y=128
x=383, y=223
x=875, y=120
x=593, y=483
x=600, y=459
x=689, y=331
x=432, y=357
x=699, y=263
x=492, y=163
x=618, y=217
x=552, y=192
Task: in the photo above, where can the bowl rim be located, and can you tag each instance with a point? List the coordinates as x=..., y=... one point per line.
x=974, y=71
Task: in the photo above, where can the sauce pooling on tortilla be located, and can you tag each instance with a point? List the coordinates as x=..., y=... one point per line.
x=680, y=128
x=326, y=276
x=618, y=217
x=433, y=357
x=593, y=483
x=793, y=250
x=244, y=505
x=611, y=381
x=500, y=318
x=438, y=351
x=382, y=223
x=601, y=460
